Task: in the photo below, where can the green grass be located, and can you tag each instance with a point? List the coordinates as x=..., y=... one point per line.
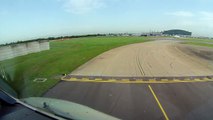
x=198, y=41
x=63, y=57
x=200, y=44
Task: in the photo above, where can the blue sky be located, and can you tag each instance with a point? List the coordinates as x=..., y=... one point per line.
x=29, y=19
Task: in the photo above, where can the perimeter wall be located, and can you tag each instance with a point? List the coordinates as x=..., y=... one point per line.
x=20, y=49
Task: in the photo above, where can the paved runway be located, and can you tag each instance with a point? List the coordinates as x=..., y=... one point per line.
x=180, y=101
x=160, y=80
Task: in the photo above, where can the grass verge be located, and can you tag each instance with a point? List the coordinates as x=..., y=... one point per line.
x=198, y=41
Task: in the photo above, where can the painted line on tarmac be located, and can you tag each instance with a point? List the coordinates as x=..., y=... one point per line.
x=158, y=102
x=138, y=80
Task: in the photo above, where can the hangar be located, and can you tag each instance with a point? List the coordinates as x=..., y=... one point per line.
x=175, y=32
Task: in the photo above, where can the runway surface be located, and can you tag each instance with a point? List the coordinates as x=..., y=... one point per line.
x=129, y=100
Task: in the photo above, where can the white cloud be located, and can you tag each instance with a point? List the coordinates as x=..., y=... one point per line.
x=181, y=14
x=199, y=18
x=206, y=16
x=82, y=6
x=200, y=22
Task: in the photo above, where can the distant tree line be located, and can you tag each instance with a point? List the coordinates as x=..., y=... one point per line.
x=54, y=38
x=169, y=32
x=74, y=36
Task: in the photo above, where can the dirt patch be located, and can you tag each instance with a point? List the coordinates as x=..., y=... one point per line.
x=201, y=52
x=204, y=54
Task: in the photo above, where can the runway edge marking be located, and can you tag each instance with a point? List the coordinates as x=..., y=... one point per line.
x=142, y=80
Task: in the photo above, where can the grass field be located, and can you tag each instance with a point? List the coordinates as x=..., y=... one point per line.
x=63, y=57
x=198, y=41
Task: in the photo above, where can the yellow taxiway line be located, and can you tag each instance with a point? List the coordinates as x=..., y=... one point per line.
x=158, y=102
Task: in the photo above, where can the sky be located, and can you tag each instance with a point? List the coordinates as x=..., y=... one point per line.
x=31, y=19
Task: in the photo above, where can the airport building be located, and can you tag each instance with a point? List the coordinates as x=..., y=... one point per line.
x=176, y=32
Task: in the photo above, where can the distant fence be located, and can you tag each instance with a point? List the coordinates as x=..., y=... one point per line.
x=20, y=49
